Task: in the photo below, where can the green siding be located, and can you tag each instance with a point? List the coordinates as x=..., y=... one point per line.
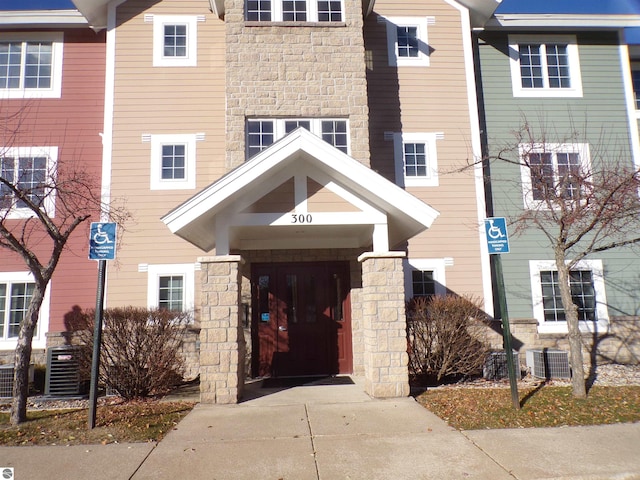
x=600, y=119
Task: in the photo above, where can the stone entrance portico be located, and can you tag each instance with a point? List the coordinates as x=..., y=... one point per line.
x=298, y=200
x=222, y=351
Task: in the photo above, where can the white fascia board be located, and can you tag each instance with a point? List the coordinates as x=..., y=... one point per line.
x=563, y=20
x=95, y=11
x=49, y=18
x=369, y=184
x=217, y=7
x=479, y=10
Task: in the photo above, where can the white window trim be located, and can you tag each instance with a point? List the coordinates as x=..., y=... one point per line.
x=597, y=272
x=574, y=66
x=312, y=13
x=191, y=59
x=157, y=142
x=422, y=60
x=49, y=202
x=429, y=139
x=154, y=272
x=437, y=265
x=525, y=172
x=39, y=337
x=315, y=125
x=55, y=91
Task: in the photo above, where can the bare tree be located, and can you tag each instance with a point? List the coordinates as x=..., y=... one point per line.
x=581, y=207
x=41, y=206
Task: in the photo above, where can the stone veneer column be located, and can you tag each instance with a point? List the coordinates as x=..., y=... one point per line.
x=222, y=345
x=384, y=322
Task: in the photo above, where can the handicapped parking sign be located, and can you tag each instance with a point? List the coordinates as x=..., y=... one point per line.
x=497, y=238
x=102, y=241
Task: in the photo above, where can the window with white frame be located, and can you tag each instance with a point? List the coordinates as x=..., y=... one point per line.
x=416, y=160
x=545, y=66
x=587, y=291
x=553, y=172
x=424, y=277
x=16, y=290
x=175, y=41
x=31, y=65
x=173, y=161
x=263, y=132
x=407, y=41
x=294, y=10
x=29, y=171
x=171, y=286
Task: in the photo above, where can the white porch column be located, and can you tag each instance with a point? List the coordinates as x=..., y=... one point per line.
x=384, y=322
x=222, y=346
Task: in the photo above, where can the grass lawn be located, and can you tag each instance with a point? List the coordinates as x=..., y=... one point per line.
x=142, y=421
x=545, y=406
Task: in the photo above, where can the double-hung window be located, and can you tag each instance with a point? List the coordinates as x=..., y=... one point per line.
x=31, y=65
x=587, y=292
x=553, y=173
x=14, y=302
x=16, y=290
x=415, y=159
x=407, y=41
x=29, y=172
x=294, y=10
x=545, y=66
x=263, y=132
x=175, y=41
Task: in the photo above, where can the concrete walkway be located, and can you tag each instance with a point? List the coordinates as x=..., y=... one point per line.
x=332, y=432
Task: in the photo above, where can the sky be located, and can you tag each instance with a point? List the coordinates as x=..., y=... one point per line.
x=36, y=5
x=605, y=7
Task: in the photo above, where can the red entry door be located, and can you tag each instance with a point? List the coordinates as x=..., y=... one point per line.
x=301, y=319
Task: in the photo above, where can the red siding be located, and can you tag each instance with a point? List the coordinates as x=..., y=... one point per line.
x=73, y=124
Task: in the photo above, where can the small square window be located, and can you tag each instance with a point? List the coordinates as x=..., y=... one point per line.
x=171, y=286
x=407, y=41
x=335, y=133
x=175, y=41
x=416, y=159
x=173, y=162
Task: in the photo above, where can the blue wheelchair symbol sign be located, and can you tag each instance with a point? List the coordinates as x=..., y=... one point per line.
x=102, y=241
x=497, y=237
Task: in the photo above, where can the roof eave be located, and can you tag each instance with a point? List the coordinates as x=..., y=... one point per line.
x=95, y=11
x=43, y=18
x=555, y=20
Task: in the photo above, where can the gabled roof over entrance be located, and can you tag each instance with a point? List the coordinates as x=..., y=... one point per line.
x=301, y=192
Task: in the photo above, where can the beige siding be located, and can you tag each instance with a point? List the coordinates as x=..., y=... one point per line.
x=161, y=100
x=430, y=99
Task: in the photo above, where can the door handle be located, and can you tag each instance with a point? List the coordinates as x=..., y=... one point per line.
x=282, y=328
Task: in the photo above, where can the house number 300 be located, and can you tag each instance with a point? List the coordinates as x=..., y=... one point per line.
x=301, y=218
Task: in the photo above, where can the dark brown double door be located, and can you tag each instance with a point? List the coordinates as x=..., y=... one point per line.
x=301, y=319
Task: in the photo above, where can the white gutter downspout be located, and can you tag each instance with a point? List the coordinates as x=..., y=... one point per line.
x=476, y=150
x=109, y=94
x=632, y=113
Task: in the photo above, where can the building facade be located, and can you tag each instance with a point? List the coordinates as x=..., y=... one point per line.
x=51, y=106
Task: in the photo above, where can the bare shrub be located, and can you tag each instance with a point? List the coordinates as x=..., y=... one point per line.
x=140, y=353
x=446, y=337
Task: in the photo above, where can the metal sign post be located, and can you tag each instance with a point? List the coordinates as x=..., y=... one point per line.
x=102, y=247
x=498, y=243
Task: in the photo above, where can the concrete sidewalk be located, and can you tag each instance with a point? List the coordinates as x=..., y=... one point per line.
x=332, y=432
